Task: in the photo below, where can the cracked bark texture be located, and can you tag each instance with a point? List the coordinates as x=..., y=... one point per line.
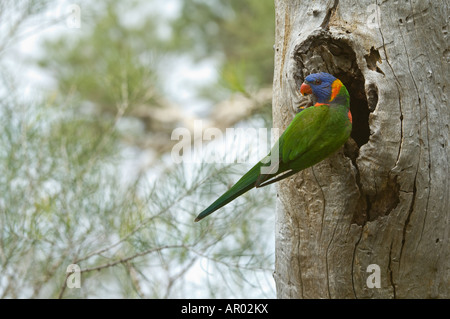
x=384, y=198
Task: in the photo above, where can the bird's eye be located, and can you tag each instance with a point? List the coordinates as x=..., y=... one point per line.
x=317, y=81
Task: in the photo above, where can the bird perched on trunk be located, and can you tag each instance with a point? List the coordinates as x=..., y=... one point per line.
x=314, y=134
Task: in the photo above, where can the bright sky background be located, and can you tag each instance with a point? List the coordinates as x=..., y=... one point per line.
x=181, y=83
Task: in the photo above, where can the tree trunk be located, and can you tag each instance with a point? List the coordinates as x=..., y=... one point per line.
x=376, y=212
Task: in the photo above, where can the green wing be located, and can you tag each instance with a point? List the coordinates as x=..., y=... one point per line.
x=298, y=138
x=300, y=146
x=302, y=134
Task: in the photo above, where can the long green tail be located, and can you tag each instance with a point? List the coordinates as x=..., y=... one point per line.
x=242, y=186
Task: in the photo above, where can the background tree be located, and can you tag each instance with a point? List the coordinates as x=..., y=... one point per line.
x=74, y=188
x=384, y=199
x=236, y=32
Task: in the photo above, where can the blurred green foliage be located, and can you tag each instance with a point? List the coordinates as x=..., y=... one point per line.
x=240, y=33
x=117, y=63
x=106, y=63
x=64, y=196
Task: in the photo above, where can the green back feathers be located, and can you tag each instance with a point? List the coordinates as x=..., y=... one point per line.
x=314, y=134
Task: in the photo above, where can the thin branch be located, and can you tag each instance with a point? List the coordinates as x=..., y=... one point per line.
x=120, y=261
x=229, y=265
x=127, y=259
x=148, y=220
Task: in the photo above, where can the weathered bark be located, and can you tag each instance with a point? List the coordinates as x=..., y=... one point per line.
x=383, y=200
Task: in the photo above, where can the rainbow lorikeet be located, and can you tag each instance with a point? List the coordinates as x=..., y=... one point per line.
x=314, y=134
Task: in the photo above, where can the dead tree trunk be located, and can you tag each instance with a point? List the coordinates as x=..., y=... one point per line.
x=383, y=200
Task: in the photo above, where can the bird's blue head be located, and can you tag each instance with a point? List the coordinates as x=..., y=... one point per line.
x=320, y=85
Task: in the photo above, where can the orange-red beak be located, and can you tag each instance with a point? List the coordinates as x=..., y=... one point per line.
x=305, y=89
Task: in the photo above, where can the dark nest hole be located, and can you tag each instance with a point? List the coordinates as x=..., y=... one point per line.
x=322, y=53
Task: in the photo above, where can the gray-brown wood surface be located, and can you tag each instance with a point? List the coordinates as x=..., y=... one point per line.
x=384, y=198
